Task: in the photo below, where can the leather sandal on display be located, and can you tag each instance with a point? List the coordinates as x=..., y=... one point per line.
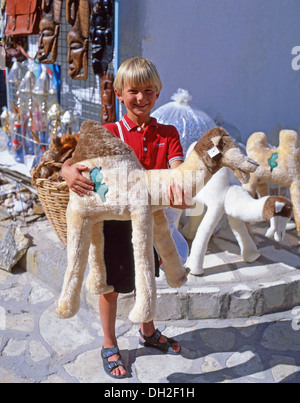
x=153, y=341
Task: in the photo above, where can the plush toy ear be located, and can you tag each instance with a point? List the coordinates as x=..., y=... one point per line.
x=216, y=140
x=215, y=152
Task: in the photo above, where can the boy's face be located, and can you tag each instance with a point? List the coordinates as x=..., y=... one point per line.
x=139, y=101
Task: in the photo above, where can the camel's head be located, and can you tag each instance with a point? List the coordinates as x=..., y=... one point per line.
x=217, y=150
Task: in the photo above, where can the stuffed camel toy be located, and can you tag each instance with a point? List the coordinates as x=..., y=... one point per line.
x=240, y=208
x=278, y=166
x=126, y=191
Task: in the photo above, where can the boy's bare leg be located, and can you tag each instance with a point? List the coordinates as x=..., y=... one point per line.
x=108, y=314
x=148, y=330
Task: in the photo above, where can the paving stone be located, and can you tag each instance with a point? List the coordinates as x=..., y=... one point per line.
x=281, y=337
x=283, y=367
x=37, y=351
x=246, y=362
x=11, y=292
x=280, y=255
x=63, y=335
x=23, y=322
x=156, y=372
x=211, y=364
x=254, y=271
x=86, y=367
x=55, y=379
x=14, y=348
x=9, y=377
x=39, y=294
x=218, y=339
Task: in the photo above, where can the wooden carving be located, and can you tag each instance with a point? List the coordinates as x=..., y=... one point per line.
x=49, y=31
x=108, y=111
x=102, y=34
x=78, y=13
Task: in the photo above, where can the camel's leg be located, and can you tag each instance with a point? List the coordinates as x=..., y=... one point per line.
x=176, y=274
x=79, y=233
x=248, y=248
x=96, y=280
x=142, y=239
x=201, y=240
x=263, y=190
x=295, y=197
x=251, y=187
x=190, y=229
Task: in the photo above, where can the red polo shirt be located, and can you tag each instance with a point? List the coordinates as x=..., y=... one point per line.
x=155, y=147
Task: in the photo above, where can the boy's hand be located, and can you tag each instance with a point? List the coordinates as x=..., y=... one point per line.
x=75, y=180
x=178, y=198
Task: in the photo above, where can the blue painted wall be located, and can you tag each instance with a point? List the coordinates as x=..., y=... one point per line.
x=233, y=56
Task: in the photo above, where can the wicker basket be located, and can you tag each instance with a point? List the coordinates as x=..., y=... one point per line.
x=54, y=196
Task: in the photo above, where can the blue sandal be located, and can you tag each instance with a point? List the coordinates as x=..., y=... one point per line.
x=153, y=341
x=111, y=365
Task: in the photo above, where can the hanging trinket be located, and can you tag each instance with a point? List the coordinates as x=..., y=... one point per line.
x=49, y=32
x=102, y=34
x=108, y=111
x=78, y=13
x=69, y=120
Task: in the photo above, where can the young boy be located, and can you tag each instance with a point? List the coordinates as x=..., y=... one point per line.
x=137, y=85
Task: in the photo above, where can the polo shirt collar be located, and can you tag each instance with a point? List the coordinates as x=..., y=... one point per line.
x=130, y=125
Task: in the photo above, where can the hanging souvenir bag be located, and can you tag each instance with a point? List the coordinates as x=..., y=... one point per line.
x=15, y=50
x=23, y=17
x=2, y=18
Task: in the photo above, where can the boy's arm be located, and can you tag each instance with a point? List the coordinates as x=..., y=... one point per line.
x=72, y=173
x=75, y=180
x=178, y=198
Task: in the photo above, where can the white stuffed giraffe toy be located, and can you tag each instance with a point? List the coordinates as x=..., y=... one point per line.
x=126, y=191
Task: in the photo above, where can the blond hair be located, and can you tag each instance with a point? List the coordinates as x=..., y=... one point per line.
x=137, y=71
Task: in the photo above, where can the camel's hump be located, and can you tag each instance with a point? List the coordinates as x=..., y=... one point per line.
x=96, y=141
